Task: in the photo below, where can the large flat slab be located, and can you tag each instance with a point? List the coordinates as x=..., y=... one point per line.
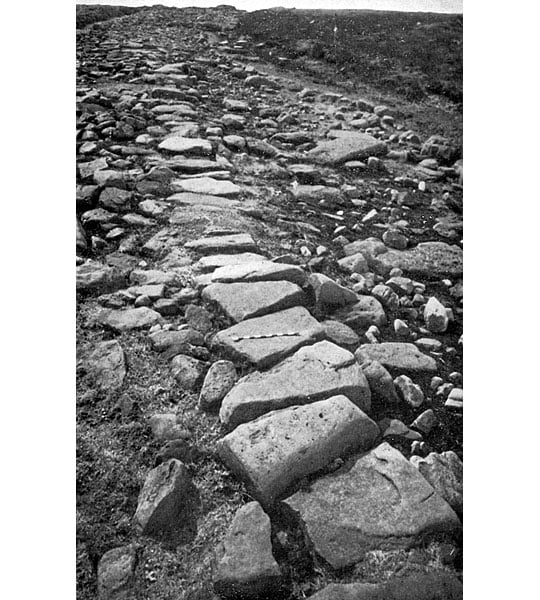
x=429, y=259
x=261, y=340
x=193, y=199
x=207, y=185
x=131, y=318
x=236, y=242
x=181, y=144
x=264, y=270
x=349, y=147
x=398, y=357
x=380, y=501
x=241, y=301
x=215, y=261
x=279, y=449
x=312, y=373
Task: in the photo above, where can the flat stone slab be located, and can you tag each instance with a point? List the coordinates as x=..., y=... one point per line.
x=245, y=566
x=131, y=318
x=260, y=340
x=181, y=144
x=93, y=276
x=264, y=270
x=193, y=199
x=212, y=262
x=346, y=148
x=236, y=242
x=207, y=185
x=240, y=301
x=380, y=501
x=279, y=449
x=313, y=373
x=429, y=259
x=398, y=357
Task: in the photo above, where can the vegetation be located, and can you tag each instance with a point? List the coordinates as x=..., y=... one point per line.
x=88, y=14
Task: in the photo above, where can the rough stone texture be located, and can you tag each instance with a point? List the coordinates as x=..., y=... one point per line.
x=360, y=316
x=313, y=373
x=266, y=351
x=152, y=277
x=431, y=260
x=198, y=200
x=398, y=358
x=188, y=145
x=241, y=301
x=207, y=185
x=277, y=450
x=259, y=271
x=341, y=334
x=106, y=365
x=115, y=574
x=435, y=316
x=381, y=384
x=430, y=585
x=131, y=318
x=328, y=293
x=94, y=277
x=166, y=502
x=237, y=242
x=163, y=340
x=212, y=262
x=379, y=502
x=349, y=147
x=245, y=566
x=218, y=381
x=187, y=371
x=445, y=473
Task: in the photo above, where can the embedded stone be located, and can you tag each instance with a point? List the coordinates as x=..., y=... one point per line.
x=398, y=357
x=126, y=320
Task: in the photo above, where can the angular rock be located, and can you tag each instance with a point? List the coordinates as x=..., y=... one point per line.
x=187, y=371
x=131, y=318
x=349, y=147
x=445, y=473
x=115, y=574
x=431, y=260
x=237, y=242
x=313, y=373
x=186, y=145
x=367, y=311
x=164, y=340
x=216, y=261
x=378, y=502
x=241, y=301
x=218, y=382
x=106, y=365
x=328, y=293
x=279, y=449
x=425, y=421
x=435, y=316
x=166, y=501
x=245, y=566
x=95, y=277
x=341, y=334
x=259, y=271
x=398, y=357
x=260, y=340
x=381, y=384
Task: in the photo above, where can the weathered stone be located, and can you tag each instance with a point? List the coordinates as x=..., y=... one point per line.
x=165, y=505
x=329, y=294
x=445, y=473
x=241, y=301
x=398, y=357
x=216, y=261
x=410, y=392
x=186, y=145
x=165, y=427
x=263, y=351
x=381, y=384
x=125, y=320
x=198, y=318
x=356, y=263
x=245, y=566
x=207, y=185
x=353, y=146
x=369, y=248
x=425, y=421
x=313, y=373
x=115, y=199
x=379, y=501
x=218, y=382
x=106, y=365
x=435, y=316
x=259, y=271
x=394, y=428
x=95, y=277
x=163, y=340
x=395, y=239
x=360, y=316
x=152, y=277
x=279, y=449
x=238, y=242
x=198, y=200
x=115, y=574
x=152, y=291
x=187, y=371
x=341, y=334
x=431, y=260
